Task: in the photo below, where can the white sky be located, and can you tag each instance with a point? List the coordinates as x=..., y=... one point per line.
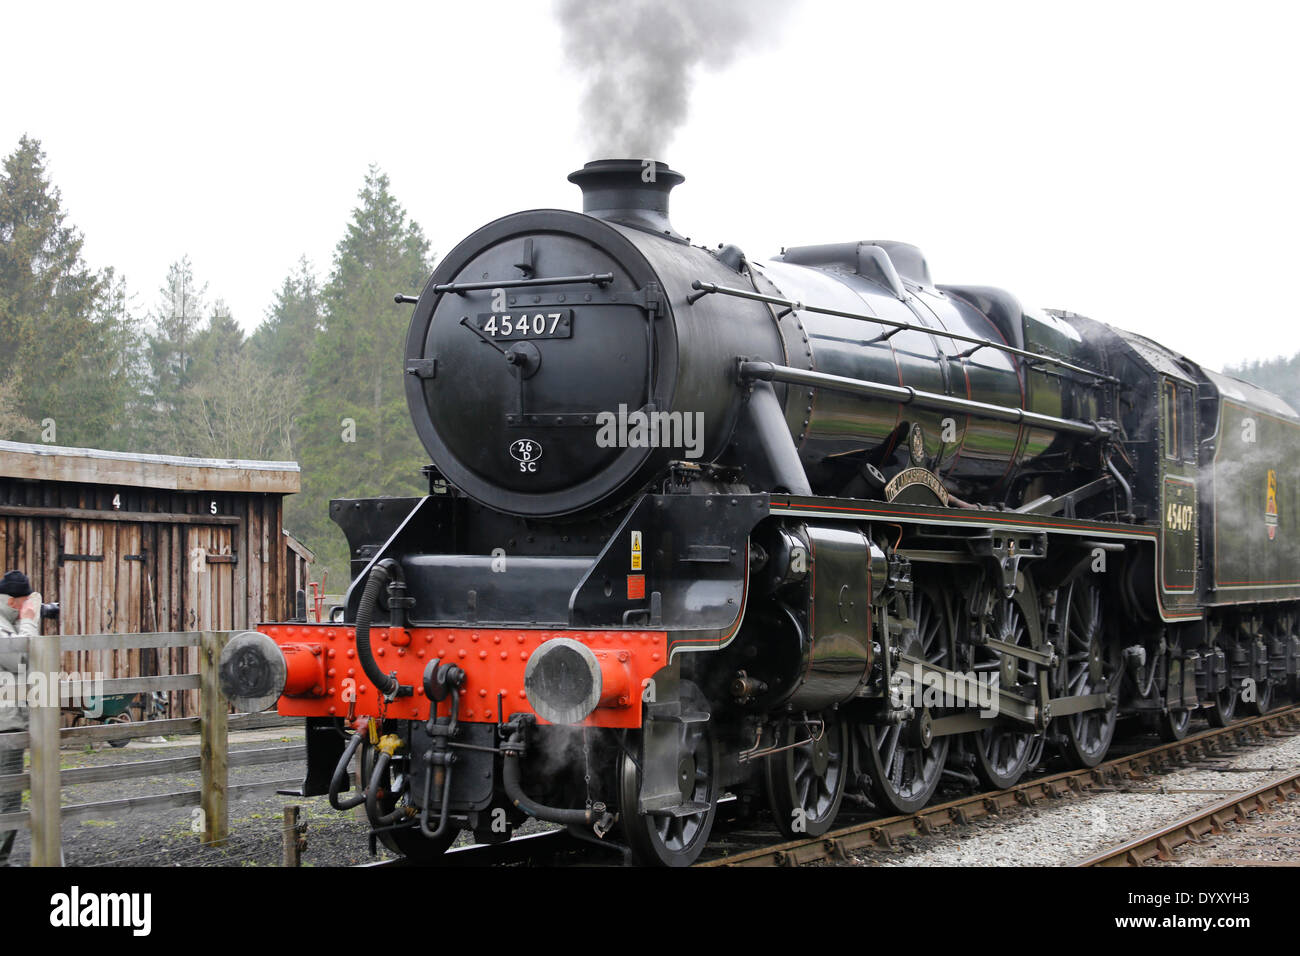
x=1133, y=161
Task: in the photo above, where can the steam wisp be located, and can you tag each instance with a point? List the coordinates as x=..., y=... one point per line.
x=639, y=60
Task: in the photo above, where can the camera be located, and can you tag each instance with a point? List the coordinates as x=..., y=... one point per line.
x=49, y=612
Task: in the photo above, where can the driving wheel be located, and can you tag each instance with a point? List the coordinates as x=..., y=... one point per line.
x=1003, y=752
x=905, y=761
x=1087, y=668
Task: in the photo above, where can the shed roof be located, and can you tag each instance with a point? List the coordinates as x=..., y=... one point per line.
x=99, y=467
x=304, y=552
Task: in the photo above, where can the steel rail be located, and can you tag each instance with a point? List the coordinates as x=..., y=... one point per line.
x=882, y=832
x=1237, y=809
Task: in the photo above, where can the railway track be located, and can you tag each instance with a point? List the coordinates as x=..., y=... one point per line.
x=1232, y=811
x=737, y=846
x=884, y=832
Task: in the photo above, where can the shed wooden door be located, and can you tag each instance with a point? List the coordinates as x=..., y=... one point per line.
x=209, y=588
x=101, y=592
x=209, y=579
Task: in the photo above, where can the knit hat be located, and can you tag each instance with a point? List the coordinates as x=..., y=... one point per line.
x=15, y=584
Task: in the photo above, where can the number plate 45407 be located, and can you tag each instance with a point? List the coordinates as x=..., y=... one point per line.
x=526, y=324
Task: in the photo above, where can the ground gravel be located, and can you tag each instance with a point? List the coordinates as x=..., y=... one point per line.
x=165, y=838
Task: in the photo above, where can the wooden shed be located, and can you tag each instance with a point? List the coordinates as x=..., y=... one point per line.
x=128, y=543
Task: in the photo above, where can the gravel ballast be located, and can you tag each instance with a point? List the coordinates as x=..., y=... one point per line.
x=1061, y=833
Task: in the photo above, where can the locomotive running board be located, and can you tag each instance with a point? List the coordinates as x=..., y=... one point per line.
x=861, y=509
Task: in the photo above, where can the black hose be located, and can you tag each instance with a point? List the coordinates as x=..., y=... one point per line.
x=341, y=774
x=378, y=819
x=510, y=778
x=380, y=575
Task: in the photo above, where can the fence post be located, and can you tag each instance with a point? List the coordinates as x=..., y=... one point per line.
x=213, y=741
x=45, y=717
x=294, y=842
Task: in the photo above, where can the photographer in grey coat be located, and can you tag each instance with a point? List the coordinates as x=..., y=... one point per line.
x=20, y=611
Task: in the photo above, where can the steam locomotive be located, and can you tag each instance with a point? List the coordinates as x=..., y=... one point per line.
x=799, y=530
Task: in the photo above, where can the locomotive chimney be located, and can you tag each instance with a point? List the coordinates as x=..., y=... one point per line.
x=629, y=191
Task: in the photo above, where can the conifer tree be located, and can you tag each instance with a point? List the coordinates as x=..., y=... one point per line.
x=176, y=323
x=357, y=434
x=70, y=342
x=283, y=342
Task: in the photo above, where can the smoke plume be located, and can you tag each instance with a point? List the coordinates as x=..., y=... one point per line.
x=639, y=59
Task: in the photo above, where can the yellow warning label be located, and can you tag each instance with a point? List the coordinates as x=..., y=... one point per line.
x=636, y=561
x=636, y=550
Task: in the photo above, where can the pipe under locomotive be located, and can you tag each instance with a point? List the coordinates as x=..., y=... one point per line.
x=800, y=530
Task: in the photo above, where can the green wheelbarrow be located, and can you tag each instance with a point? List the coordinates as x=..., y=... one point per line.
x=109, y=709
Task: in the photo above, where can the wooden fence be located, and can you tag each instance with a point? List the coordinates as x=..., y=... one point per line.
x=45, y=737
